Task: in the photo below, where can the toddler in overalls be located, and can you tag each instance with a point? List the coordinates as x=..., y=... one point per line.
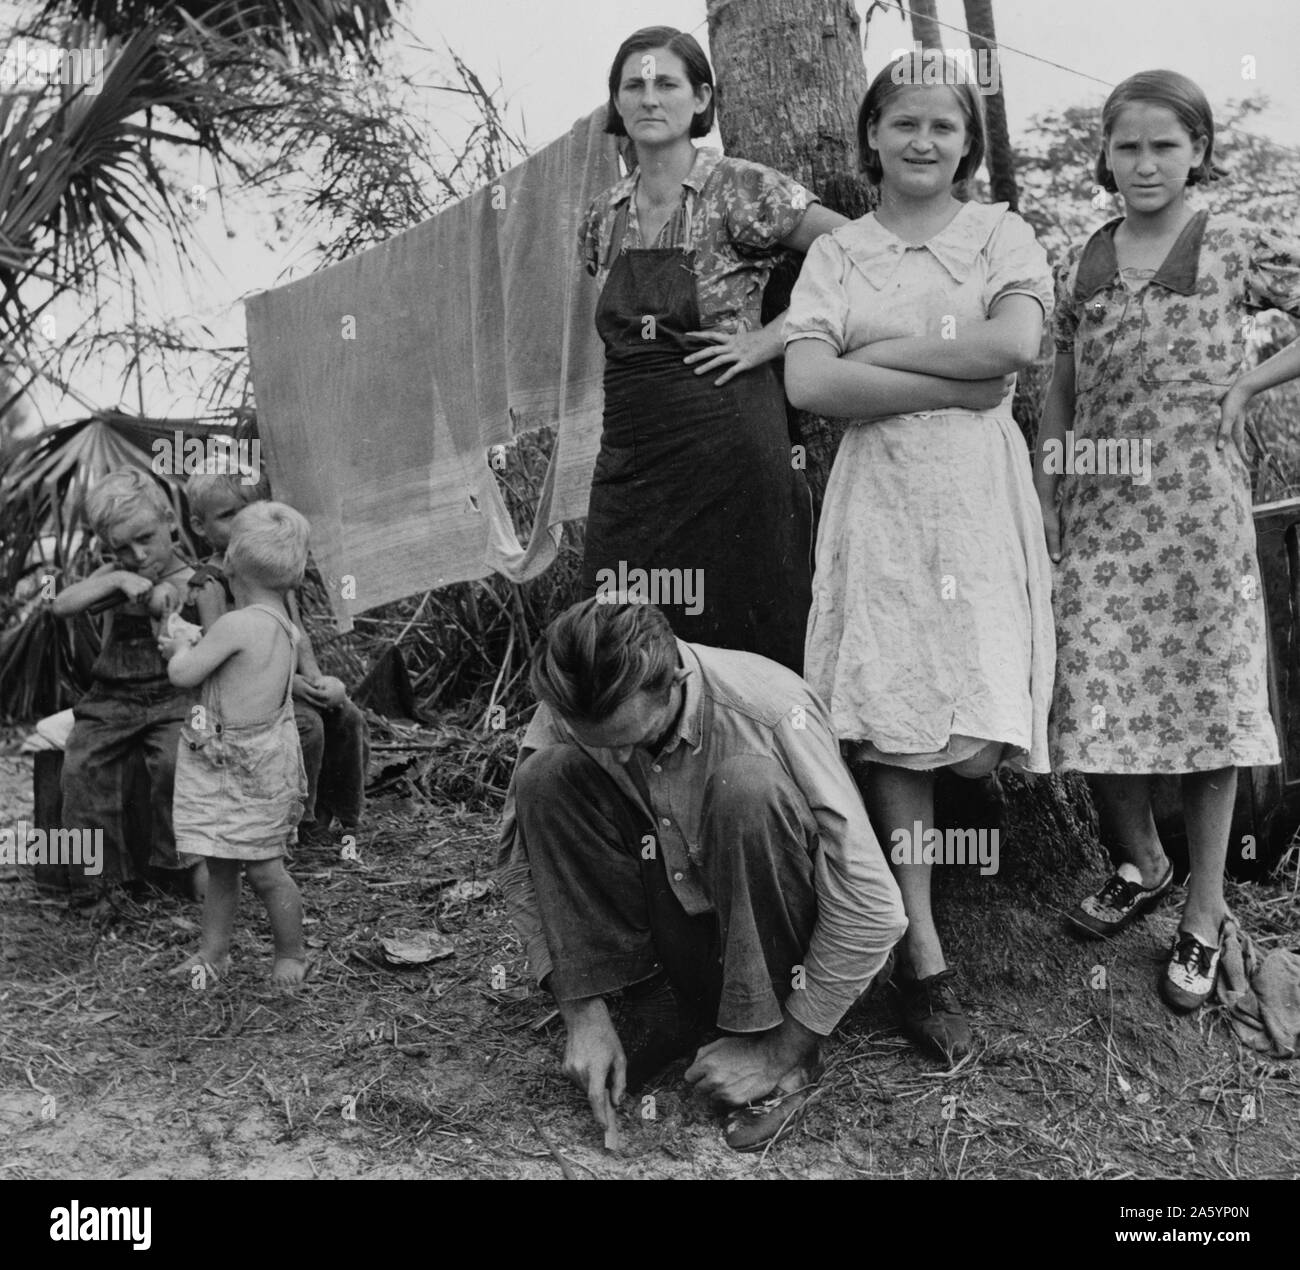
x=332, y=731
x=240, y=783
x=132, y=707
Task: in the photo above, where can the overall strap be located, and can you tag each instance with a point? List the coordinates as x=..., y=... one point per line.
x=686, y=209
x=292, y=632
x=618, y=233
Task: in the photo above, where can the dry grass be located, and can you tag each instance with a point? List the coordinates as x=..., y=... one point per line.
x=454, y=1069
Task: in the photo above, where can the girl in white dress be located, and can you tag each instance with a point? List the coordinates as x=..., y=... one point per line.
x=930, y=634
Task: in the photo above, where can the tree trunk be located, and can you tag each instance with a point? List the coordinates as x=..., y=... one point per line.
x=790, y=80
x=999, y=156
x=925, y=23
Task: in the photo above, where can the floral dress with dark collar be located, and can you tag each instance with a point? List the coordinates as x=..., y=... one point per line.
x=1160, y=627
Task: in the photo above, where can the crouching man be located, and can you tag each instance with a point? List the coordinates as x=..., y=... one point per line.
x=680, y=829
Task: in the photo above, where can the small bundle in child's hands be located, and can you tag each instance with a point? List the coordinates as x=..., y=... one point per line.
x=177, y=628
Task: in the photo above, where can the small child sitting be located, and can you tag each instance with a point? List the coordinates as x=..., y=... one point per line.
x=132, y=707
x=333, y=732
x=240, y=783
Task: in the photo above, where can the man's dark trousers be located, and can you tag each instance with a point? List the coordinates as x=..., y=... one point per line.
x=611, y=918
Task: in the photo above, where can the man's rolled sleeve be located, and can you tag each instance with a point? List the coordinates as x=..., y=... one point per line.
x=860, y=913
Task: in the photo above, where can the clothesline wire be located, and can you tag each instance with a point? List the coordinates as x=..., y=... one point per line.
x=1060, y=66
x=1046, y=61
x=1245, y=132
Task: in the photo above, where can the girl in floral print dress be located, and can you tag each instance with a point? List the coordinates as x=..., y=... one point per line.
x=1160, y=625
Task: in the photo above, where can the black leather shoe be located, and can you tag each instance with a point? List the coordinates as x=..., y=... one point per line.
x=933, y=1019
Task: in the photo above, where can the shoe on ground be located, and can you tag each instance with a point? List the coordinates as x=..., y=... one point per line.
x=765, y=1121
x=1120, y=902
x=933, y=1019
x=1190, y=971
x=316, y=835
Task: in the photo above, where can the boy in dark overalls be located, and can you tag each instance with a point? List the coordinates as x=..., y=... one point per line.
x=132, y=707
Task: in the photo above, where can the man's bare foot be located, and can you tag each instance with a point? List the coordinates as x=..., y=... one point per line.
x=214, y=969
x=288, y=972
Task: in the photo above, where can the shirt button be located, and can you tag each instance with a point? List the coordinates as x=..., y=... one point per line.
x=665, y=821
x=656, y=768
x=677, y=877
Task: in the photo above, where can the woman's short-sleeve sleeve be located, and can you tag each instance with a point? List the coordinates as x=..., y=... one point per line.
x=763, y=206
x=819, y=303
x=1273, y=275
x=1017, y=265
x=1065, y=321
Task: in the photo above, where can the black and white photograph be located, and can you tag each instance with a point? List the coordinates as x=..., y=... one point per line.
x=625, y=590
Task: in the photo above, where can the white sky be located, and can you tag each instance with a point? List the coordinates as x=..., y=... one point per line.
x=552, y=57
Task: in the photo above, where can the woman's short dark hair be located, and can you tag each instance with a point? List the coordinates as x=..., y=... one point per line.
x=600, y=653
x=1176, y=93
x=698, y=71
x=905, y=71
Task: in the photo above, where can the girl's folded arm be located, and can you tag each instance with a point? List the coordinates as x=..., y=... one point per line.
x=817, y=378
x=1001, y=344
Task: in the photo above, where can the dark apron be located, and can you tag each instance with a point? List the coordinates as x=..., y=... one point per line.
x=691, y=476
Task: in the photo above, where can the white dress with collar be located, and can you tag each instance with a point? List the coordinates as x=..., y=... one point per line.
x=931, y=626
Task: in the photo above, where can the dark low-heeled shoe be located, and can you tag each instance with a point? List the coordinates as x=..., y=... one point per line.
x=933, y=1019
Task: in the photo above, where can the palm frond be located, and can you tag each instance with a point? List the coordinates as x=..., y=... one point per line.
x=76, y=173
x=308, y=28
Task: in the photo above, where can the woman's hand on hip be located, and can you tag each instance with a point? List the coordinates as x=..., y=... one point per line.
x=1232, y=422
x=733, y=354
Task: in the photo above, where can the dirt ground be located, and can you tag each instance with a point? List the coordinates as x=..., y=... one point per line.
x=111, y=1068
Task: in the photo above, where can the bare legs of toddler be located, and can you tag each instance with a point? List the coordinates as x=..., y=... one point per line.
x=283, y=903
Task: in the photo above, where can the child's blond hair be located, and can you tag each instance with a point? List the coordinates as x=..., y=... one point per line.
x=202, y=489
x=268, y=544
x=122, y=493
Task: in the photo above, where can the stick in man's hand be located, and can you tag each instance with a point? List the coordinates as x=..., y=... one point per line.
x=613, y=1142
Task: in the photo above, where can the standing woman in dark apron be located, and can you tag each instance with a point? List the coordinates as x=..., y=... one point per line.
x=695, y=474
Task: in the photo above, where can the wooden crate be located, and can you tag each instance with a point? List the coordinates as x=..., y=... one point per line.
x=68, y=880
